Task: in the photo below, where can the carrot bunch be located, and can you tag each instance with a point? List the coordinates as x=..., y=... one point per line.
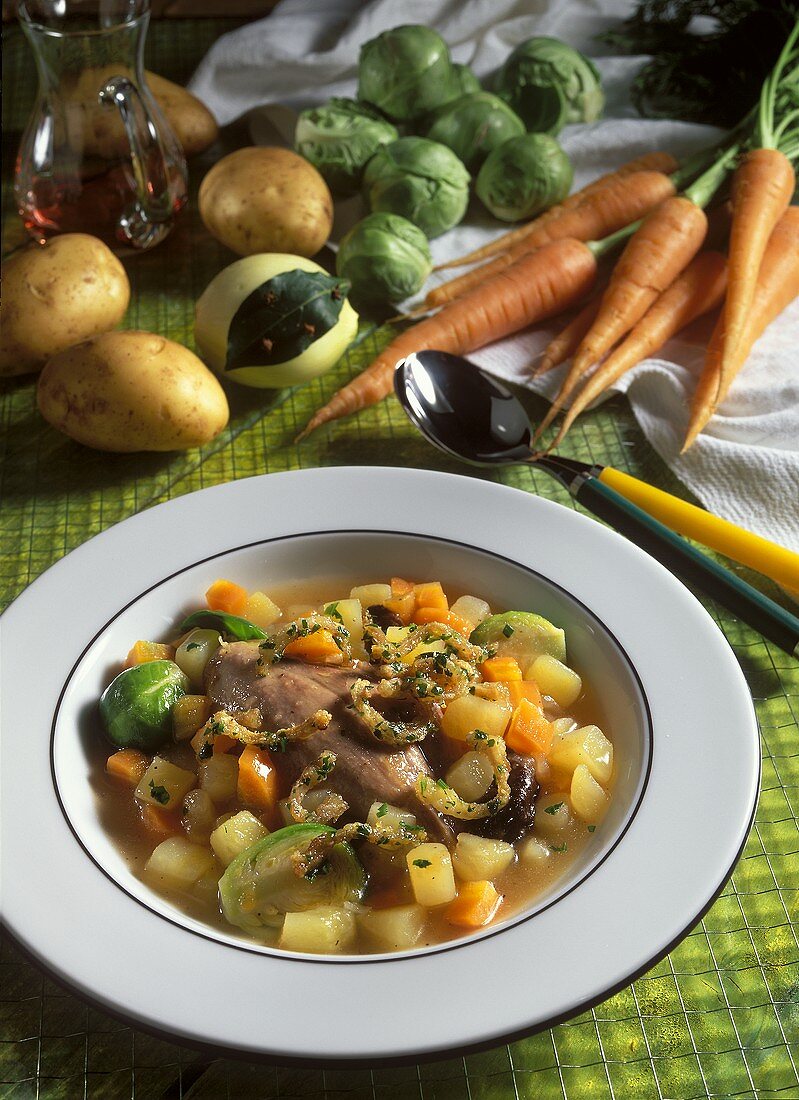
x=668, y=273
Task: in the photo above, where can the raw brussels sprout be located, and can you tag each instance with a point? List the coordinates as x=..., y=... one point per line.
x=420, y=180
x=541, y=62
x=406, y=72
x=136, y=707
x=464, y=80
x=338, y=138
x=385, y=257
x=524, y=176
x=474, y=125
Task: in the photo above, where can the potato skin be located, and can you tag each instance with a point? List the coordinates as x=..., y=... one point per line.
x=132, y=391
x=57, y=295
x=266, y=199
x=194, y=125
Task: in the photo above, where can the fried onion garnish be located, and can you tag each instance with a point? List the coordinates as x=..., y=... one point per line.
x=331, y=807
x=445, y=800
x=222, y=722
x=388, y=837
x=273, y=647
x=383, y=729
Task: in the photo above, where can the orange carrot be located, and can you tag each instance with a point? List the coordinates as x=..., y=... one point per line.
x=761, y=191
x=696, y=291
x=777, y=286
x=500, y=669
x=529, y=731
x=524, y=689
x=538, y=286
x=318, y=648
x=603, y=212
x=423, y=615
x=129, y=765
x=258, y=782
x=476, y=905
x=431, y=594
x=226, y=596
x=142, y=652
x=656, y=162
x=163, y=823
x=565, y=344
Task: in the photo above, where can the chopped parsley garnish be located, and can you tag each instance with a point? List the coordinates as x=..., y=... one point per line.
x=160, y=794
x=557, y=847
x=507, y=630
x=333, y=611
x=192, y=645
x=592, y=828
x=553, y=809
x=382, y=810
x=440, y=783
x=422, y=863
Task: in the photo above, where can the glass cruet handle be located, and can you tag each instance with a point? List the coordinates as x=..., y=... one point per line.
x=149, y=216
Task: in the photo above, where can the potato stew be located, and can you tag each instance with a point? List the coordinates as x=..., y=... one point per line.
x=358, y=770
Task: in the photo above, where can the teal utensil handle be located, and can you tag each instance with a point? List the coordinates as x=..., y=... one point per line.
x=751, y=606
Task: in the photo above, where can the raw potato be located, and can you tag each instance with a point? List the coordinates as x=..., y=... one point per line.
x=57, y=295
x=193, y=124
x=265, y=199
x=132, y=391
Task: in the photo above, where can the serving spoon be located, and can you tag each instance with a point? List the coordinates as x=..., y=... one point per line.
x=467, y=413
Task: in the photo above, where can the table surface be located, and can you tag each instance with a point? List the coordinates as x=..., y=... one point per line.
x=717, y=1017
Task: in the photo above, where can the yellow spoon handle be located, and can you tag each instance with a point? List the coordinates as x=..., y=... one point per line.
x=719, y=534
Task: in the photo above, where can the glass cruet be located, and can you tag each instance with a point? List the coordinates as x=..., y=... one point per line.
x=97, y=155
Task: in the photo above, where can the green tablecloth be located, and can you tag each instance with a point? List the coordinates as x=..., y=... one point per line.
x=718, y=1017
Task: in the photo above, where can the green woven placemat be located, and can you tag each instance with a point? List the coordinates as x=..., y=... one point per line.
x=718, y=1017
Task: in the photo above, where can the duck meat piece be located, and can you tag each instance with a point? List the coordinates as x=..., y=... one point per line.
x=517, y=817
x=290, y=692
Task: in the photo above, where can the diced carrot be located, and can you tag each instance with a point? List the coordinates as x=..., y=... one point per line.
x=423, y=615
x=258, y=781
x=431, y=594
x=129, y=765
x=227, y=596
x=524, y=689
x=163, y=823
x=221, y=742
x=143, y=652
x=318, y=648
x=403, y=599
x=501, y=669
x=529, y=731
x=476, y=905
x=400, y=587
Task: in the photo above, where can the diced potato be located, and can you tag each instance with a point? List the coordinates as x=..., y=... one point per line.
x=533, y=852
x=472, y=609
x=219, y=776
x=188, y=714
x=397, y=633
x=194, y=652
x=471, y=775
x=350, y=614
x=197, y=815
x=395, y=929
x=555, y=679
x=142, y=652
x=165, y=784
x=476, y=858
x=262, y=611
x=371, y=594
x=470, y=712
x=392, y=817
x=562, y=726
x=235, y=835
x=432, y=878
x=552, y=815
x=587, y=797
x=323, y=930
x=178, y=863
x=585, y=745
x=424, y=647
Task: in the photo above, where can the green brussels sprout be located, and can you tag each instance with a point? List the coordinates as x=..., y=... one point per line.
x=385, y=257
x=464, y=80
x=136, y=707
x=524, y=176
x=474, y=125
x=420, y=180
x=406, y=72
x=542, y=62
x=338, y=138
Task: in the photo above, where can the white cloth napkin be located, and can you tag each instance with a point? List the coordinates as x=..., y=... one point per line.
x=745, y=466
